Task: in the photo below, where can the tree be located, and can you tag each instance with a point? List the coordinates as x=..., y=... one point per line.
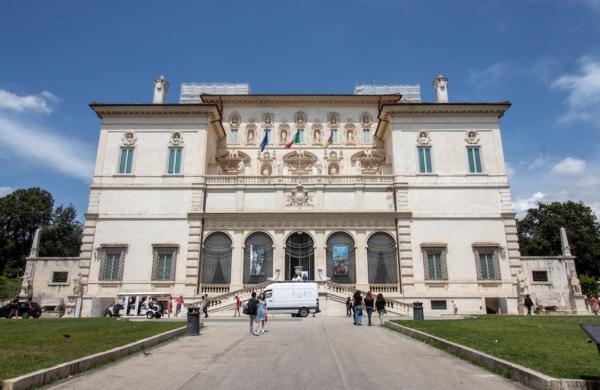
x=63, y=237
x=21, y=213
x=589, y=285
x=539, y=233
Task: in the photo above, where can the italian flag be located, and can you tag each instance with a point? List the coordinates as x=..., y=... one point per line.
x=329, y=140
x=295, y=140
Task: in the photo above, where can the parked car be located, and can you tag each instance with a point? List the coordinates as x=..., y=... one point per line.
x=295, y=298
x=25, y=310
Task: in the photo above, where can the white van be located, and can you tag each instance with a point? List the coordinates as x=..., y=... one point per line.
x=296, y=298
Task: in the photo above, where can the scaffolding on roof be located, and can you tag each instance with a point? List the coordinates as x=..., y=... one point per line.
x=191, y=92
x=410, y=92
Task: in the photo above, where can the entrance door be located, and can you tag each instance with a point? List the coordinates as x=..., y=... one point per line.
x=299, y=251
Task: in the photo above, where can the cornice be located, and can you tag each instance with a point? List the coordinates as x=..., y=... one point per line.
x=389, y=111
x=301, y=99
x=211, y=111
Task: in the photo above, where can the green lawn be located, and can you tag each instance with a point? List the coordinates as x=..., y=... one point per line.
x=29, y=345
x=554, y=345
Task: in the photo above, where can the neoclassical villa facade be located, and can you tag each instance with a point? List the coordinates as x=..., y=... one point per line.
x=375, y=190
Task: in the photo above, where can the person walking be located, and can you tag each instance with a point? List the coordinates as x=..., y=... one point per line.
x=528, y=304
x=454, y=307
x=380, y=306
x=236, y=309
x=205, y=304
x=369, y=303
x=357, y=305
x=595, y=305
x=14, y=308
x=349, y=307
x=251, y=309
x=261, y=313
x=170, y=307
x=178, y=303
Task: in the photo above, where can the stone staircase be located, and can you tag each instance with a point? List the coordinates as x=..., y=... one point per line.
x=331, y=291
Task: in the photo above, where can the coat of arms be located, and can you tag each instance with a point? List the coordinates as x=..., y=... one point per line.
x=299, y=197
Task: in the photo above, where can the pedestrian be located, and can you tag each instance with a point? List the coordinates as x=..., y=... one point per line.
x=357, y=304
x=528, y=304
x=595, y=305
x=261, y=313
x=205, y=304
x=348, y=307
x=251, y=309
x=380, y=306
x=369, y=303
x=170, y=307
x=14, y=308
x=236, y=309
x=454, y=307
x=178, y=303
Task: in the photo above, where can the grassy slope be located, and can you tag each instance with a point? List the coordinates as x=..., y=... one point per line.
x=29, y=345
x=553, y=345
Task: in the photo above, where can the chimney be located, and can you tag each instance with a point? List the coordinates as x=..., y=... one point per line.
x=161, y=86
x=440, y=84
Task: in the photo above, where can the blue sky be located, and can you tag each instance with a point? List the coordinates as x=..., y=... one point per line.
x=542, y=55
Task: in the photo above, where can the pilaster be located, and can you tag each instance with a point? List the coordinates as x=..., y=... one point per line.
x=320, y=254
x=237, y=261
x=362, y=268
x=278, y=255
x=405, y=256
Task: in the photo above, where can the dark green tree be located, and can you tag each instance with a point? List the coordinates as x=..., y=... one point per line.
x=539, y=233
x=21, y=213
x=63, y=236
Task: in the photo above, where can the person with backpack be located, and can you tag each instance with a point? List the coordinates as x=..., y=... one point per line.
x=205, y=304
x=349, y=307
x=251, y=310
x=369, y=303
x=357, y=303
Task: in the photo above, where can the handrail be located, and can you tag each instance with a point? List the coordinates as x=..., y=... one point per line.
x=390, y=302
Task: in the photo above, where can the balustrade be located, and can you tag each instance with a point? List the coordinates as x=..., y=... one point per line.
x=338, y=179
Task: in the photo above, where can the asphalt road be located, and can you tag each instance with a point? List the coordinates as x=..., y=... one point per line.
x=311, y=353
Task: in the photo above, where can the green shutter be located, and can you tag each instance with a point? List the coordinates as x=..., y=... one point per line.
x=123, y=162
x=421, y=160
x=178, y=160
x=477, y=160
x=129, y=153
x=428, y=160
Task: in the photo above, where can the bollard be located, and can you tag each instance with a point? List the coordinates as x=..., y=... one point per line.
x=418, y=311
x=193, y=321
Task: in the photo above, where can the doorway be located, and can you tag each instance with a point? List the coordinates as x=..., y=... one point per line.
x=299, y=251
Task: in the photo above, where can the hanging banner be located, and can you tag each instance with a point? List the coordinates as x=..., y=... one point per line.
x=340, y=260
x=257, y=260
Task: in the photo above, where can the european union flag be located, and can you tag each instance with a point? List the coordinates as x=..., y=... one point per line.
x=265, y=141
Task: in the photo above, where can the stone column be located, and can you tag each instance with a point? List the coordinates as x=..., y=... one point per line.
x=237, y=261
x=362, y=268
x=279, y=255
x=320, y=255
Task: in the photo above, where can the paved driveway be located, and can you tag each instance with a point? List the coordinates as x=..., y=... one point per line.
x=311, y=353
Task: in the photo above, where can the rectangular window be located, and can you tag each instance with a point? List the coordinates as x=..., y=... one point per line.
x=111, y=264
x=174, y=160
x=539, y=276
x=334, y=136
x=439, y=305
x=126, y=160
x=425, y=160
x=366, y=136
x=301, y=135
x=234, y=136
x=434, y=259
x=474, y=159
x=163, y=265
x=60, y=277
x=487, y=262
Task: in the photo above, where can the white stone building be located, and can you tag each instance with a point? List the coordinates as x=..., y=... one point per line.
x=409, y=198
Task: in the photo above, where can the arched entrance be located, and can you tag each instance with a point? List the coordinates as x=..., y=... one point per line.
x=299, y=251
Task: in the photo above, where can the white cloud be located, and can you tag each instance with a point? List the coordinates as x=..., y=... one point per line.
x=522, y=205
x=569, y=166
x=579, y=180
x=21, y=136
x=583, y=92
x=37, y=103
x=488, y=76
x=5, y=191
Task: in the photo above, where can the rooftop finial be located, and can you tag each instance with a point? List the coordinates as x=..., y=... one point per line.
x=161, y=86
x=440, y=85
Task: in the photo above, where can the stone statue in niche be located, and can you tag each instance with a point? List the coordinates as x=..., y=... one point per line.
x=279, y=167
x=333, y=170
x=284, y=136
x=242, y=167
x=250, y=139
x=317, y=136
x=357, y=167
